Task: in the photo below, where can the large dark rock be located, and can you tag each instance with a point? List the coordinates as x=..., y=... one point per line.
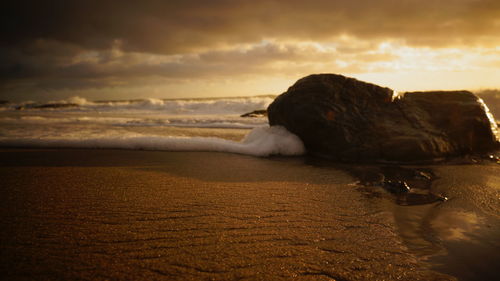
x=345, y=119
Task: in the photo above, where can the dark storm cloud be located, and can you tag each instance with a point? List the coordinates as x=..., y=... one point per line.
x=180, y=26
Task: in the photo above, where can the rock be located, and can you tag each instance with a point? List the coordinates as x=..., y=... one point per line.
x=396, y=186
x=255, y=113
x=410, y=186
x=345, y=119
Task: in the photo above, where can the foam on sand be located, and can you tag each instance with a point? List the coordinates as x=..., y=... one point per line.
x=261, y=141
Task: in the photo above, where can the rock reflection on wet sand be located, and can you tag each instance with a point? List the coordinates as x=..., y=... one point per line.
x=461, y=236
x=132, y=215
x=456, y=226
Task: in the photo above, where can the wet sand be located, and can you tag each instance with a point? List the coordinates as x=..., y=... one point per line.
x=138, y=215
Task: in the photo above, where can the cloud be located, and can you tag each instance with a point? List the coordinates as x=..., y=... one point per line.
x=78, y=69
x=263, y=58
x=180, y=26
x=102, y=43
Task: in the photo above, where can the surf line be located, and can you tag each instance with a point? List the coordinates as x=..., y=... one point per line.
x=261, y=141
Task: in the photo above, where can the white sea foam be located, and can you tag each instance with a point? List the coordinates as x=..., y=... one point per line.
x=261, y=141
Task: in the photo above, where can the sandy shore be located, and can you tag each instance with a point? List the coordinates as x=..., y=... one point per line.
x=136, y=215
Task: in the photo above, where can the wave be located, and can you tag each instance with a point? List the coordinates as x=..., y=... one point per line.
x=238, y=105
x=196, y=122
x=261, y=141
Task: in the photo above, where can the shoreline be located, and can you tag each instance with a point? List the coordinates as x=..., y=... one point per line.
x=121, y=214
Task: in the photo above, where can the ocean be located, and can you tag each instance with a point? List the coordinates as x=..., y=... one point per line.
x=147, y=124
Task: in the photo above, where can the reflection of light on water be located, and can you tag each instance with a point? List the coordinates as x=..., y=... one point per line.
x=456, y=225
x=493, y=123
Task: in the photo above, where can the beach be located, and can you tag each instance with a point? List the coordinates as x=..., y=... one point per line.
x=190, y=190
x=132, y=215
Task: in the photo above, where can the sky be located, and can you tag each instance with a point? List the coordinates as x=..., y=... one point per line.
x=52, y=50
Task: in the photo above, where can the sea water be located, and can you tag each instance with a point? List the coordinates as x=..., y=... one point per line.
x=147, y=124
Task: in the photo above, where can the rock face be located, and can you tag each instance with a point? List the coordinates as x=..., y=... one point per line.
x=255, y=113
x=348, y=120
